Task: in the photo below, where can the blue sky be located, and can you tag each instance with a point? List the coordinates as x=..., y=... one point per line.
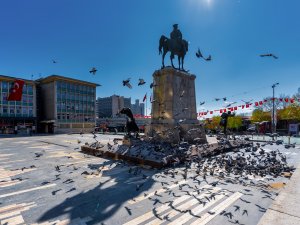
x=120, y=38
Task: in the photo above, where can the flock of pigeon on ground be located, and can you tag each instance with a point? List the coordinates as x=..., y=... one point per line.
x=232, y=157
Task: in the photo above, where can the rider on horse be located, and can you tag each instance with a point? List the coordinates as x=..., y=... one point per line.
x=176, y=35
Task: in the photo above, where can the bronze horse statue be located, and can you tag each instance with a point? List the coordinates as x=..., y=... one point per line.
x=176, y=47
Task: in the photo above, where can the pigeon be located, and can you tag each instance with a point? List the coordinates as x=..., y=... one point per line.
x=57, y=168
x=37, y=155
x=202, y=103
x=199, y=55
x=237, y=208
x=68, y=181
x=243, y=200
x=229, y=104
x=128, y=210
x=217, y=99
x=54, y=192
x=247, y=102
x=229, y=214
x=72, y=189
x=93, y=70
x=182, y=93
x=54, y=61
x=45, y=182
x=126, y=83
x=208, y=58
x=153, y=85
x=269, y=55
x=245, y=212
x=141, y=82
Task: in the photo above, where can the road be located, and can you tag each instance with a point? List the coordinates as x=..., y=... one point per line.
x=47, y=180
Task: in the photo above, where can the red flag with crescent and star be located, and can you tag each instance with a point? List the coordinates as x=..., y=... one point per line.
x=15, y=93
x=145, y=97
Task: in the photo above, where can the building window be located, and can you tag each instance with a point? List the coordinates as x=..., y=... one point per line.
x=24, y=89
x=24, y=98
x=19, y=110
x=5, y=109
x=30, y=99
x=24, y=111
x=30, y=109
x=30, y=88
x=12, y=110
x=4, y=86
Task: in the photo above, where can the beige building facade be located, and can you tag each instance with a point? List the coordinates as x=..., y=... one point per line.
x=66, y=105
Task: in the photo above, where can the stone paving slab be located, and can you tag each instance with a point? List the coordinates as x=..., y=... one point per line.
x=285, y=209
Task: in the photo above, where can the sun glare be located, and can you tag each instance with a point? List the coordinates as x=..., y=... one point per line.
x=202, y=3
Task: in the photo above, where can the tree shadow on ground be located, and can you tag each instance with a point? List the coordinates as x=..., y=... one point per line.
x=102, y=202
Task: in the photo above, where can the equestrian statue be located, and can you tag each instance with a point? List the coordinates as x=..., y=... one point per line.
x=176, y=45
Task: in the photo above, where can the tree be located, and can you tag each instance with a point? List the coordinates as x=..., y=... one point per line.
x=259, y=115
x=268, y=105
x=235, y=122
x=214, y=124
x=292, y=112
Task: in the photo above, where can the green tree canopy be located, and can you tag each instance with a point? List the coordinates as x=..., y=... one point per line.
x=213, y=124
x=259, y=115
x=235, y=122
x=292, y=112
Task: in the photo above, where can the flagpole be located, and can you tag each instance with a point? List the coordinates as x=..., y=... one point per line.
x=146, y=104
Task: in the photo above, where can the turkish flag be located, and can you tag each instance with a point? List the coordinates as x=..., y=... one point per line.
x=145, y=97
x=15, y=93
x=211, y=112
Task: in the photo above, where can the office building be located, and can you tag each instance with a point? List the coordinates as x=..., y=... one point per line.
x=17, y=116
x=66, y=104
x=109, y=107
x=138, y=108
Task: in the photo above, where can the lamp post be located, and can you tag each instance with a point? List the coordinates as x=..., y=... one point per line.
x=273, y=113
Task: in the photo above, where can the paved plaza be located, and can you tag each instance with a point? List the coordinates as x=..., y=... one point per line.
x=47, y=180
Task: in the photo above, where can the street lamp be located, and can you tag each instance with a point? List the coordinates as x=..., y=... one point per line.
x=273, y=113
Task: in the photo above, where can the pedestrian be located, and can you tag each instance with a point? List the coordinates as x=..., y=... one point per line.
x=224, y=120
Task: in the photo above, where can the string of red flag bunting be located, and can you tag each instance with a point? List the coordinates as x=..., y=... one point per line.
x=247, y=106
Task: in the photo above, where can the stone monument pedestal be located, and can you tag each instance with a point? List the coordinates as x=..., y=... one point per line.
x=174, y=115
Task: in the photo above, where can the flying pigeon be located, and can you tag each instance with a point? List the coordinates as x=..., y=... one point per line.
x=126, y=83
x=229, y=104
x=141, y=82
x=199, y=55
x=217, y=99
x=269, y=55
x=53, y=61
x=93, y=70
x=247, y=102
x=202, y=103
